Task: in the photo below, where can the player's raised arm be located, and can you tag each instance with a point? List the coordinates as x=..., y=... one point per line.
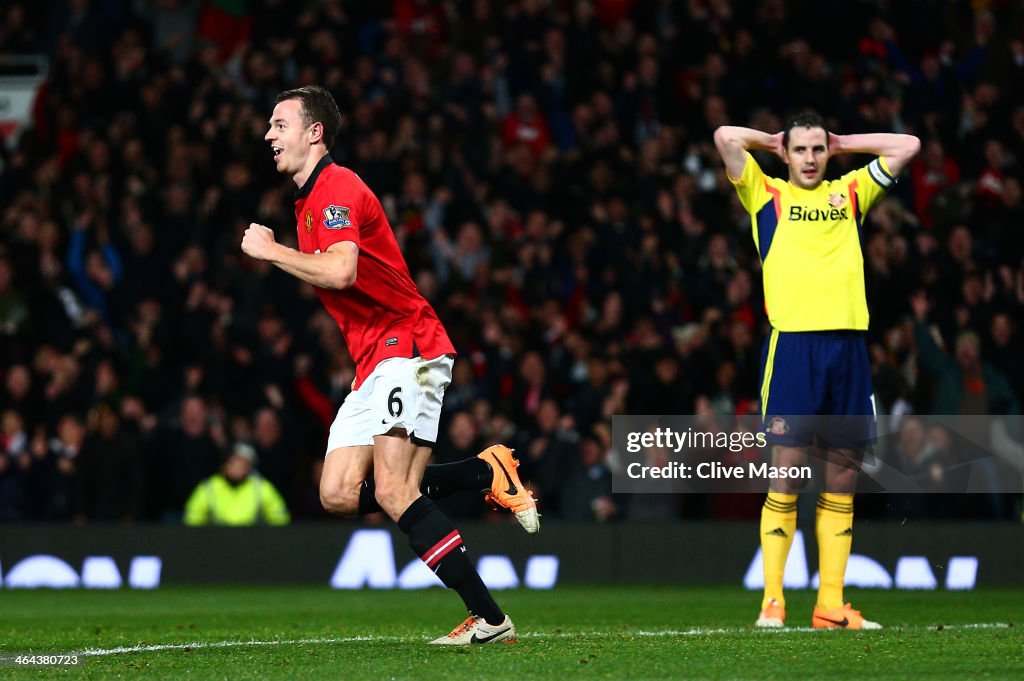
x=335, y=268
x=895, y=149
x=733, y=142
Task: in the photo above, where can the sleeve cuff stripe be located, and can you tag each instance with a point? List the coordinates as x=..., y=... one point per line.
x=879, y=175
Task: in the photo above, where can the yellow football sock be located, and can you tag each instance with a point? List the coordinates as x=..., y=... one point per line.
x=778, y=525
x=835, y=536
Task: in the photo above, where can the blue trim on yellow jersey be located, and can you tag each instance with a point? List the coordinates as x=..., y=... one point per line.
x=857, y=215
x=767, y=366
x=767, y=222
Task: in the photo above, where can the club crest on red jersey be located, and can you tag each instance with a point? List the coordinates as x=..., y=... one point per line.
x=336, y=217
x=309, y=221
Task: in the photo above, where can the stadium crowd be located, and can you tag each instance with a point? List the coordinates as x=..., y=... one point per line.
x=548, y=168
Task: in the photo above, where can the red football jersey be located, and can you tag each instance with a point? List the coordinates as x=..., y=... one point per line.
x=383, y=314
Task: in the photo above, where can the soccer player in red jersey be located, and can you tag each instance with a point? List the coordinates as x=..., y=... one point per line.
x=383, y=435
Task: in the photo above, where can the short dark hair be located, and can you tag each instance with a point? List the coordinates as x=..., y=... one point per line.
x=804, y=119
x=318, y=106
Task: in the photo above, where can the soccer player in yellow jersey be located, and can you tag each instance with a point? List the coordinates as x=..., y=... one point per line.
x=808, y=233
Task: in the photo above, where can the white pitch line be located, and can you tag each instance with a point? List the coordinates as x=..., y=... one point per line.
x=982, y=625
x=780, y=630
x=231, y=644
x=659, y=633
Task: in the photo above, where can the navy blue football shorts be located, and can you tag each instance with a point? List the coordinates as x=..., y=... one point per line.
x=817, y=384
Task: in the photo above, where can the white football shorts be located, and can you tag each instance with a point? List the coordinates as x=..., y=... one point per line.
x=400, y=392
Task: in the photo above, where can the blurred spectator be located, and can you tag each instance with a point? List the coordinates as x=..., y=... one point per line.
x=659, y=503
x=238, y=495
x=110, y=470
x=187, y=450
x=276, y=456
x=15, y=464
x=546, y=452
x=460, y=441
x=526, y=126
x=586, y=492
x=56, y=490
x=963, y=383
x=918, y=458
x=21, y=395
x=96, y=272
x=915, y=456
x=13, y=309
x=1004, y=350
x=932, y=173
x=967, y=389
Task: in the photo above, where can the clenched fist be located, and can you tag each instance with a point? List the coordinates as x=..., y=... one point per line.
x=258, y=242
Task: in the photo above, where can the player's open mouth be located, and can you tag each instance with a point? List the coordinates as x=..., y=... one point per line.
x=277, y=151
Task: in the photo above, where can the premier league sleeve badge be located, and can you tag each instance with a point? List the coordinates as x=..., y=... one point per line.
x=336, y=217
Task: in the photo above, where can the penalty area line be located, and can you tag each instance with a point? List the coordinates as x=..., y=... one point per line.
x=657, y=633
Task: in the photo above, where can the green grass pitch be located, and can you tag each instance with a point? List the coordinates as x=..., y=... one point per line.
x=594, y=632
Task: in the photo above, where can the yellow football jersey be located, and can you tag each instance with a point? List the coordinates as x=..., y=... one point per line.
x=809, y=241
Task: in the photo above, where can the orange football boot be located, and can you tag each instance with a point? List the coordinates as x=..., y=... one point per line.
x=507, y=490
x=841, y=618
x=772, y=616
